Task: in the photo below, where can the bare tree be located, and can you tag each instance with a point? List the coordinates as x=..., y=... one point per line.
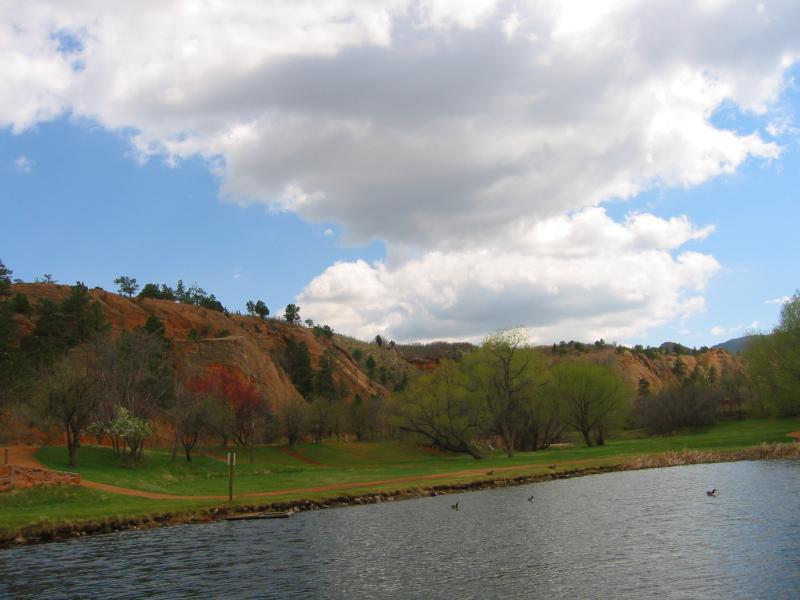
x=70, y=393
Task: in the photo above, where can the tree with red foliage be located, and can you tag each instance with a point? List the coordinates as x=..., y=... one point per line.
x=241, y=401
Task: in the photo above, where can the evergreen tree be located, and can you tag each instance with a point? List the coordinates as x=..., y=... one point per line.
x=292, y=314
x=5, y=279
x=127, y=285
x=300, y=370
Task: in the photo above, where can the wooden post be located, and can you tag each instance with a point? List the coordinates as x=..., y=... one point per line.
x=231, y=464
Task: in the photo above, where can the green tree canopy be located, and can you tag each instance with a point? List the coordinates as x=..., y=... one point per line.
x=292, y=314
x=774, y=360
x=127, y=286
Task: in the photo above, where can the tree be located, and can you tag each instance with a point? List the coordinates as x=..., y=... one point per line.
x=180, y=292
x=70, y=393
x=5, y=279
x=155, y=326
x=440, y=407
x=371, y=364
x=292, y=314
x=672, y=409
x=243, y=404
x=138, y=375
x=127, y=285
x=379, y=340
x=156, y=292
x=508, y=379
x=643, y=389
x=9, y=354
x=299, y=366
x=366, y=418
x=594, y=399
x=679, y=370
x=293, y=417
x=774, y=360
x=261, y=309
x=194, y=411
x=133, y=430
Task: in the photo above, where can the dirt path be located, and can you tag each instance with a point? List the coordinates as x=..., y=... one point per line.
x=23, y=456
x=297, y=456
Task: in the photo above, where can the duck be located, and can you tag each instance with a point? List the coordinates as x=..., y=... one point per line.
x=530, y=499
x=712, y=492
x=454, y=506
x=553, y=466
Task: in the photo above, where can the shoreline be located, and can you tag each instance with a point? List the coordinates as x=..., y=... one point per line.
x=57, y=533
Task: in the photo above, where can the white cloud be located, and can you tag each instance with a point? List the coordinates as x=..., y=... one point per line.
x=584, y=277
x=328, y=232
x=421, y=123
x=477, y=139
x=24, y=165
x=734, y=329
x=780, y=301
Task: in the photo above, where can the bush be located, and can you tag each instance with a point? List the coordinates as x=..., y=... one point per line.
x=689, y=405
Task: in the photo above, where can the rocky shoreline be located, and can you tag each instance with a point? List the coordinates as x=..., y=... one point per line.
x=36, y=535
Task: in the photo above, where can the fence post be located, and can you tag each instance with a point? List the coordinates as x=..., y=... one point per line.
x=231, y=464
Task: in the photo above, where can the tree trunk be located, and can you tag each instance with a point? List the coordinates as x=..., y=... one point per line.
x=472, y=452
x=586, y=437
x=73, y=443
x=600, y=437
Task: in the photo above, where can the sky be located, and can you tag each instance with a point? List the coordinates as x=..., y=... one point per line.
x=423, y=170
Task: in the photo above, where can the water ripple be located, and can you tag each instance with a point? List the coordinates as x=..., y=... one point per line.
x=636, y=534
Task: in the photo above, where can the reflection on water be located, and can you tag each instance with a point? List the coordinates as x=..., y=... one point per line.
x=642, y=534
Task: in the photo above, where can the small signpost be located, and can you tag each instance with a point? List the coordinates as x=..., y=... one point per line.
x=231, y=465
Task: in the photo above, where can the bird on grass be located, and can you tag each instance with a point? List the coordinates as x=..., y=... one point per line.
x=531, y=498
x=712, y=492
x=553, y=466
x=454, y=506
x=490, y=472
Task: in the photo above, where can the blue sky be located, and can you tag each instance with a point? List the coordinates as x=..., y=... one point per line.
x=85, y=210
x=420, y=170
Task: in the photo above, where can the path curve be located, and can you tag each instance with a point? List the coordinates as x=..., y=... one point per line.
x=23, y=456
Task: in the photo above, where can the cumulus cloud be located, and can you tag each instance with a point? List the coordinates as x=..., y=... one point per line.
x=585, y=277
x=413, y=122
x=476, y=138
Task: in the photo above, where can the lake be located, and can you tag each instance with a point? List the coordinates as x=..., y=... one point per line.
x=636, y=534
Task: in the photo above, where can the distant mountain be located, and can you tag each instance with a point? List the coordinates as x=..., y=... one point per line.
x=736, y=345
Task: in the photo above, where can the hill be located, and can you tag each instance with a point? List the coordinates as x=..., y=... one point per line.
x=736, y=345
x=256, y=348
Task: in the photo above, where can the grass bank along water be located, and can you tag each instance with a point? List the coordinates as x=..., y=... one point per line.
x=345, y=474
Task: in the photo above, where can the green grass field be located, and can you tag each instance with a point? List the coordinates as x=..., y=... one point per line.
x=330, y=464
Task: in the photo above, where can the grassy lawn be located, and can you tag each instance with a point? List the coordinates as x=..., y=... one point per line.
x=67, y=505
x=332, y=463
x=308, y=465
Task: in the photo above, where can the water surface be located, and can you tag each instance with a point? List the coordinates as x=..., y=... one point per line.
x=639, y=534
